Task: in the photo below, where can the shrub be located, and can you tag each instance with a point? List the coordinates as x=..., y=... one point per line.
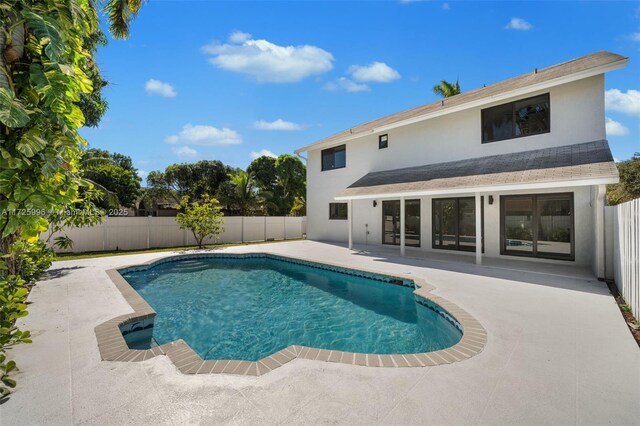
x=13, y=294
x=204, y=219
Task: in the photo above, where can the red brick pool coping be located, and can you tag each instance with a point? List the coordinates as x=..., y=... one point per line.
x=113, y=347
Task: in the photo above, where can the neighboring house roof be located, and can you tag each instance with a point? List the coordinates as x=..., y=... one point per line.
x=591, y=163
x=583, y=67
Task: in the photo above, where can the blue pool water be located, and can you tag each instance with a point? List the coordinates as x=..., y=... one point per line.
x=249, y=308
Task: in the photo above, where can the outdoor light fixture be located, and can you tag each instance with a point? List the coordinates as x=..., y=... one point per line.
x=490, y=199
x=375, y=203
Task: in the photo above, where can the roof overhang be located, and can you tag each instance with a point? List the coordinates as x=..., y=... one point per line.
x=473, y=104
x=480, y=189
x=585, y=164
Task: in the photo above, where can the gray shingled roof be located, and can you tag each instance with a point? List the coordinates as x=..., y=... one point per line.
x=571, y=162
x=584, y=63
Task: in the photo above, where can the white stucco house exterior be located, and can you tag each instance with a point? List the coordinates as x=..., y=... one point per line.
x=516, y=169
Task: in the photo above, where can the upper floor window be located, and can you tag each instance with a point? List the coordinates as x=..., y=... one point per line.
x=520, y=118
x=383, y=141
x=334, y=158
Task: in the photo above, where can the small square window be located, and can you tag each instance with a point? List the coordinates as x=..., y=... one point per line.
x=383, y=141
x=338, y=211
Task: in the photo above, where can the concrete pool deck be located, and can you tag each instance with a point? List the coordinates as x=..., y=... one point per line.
x=557, y=352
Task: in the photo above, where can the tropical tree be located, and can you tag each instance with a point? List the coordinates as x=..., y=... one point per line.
x=113, y=175
x=203, y=219
x=279, y=181
x=49, y=87
x=291, y=180
x=263, y=171
x=629, y=187
x=239, y=194
x=446, y=89
x=299, y=207
x=193, y=180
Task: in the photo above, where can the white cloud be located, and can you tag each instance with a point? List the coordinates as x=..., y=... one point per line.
x=262, y=153
x=239, y=37
x=347, y=85
x=268, y=62
x=157, y=87
x=143, y=175
x=635, y=36
x=278, y=124
x=615, y=128
x=629, y=102
x=378, y=72
x=185, y=151
x=518, y=24
x=205, y=135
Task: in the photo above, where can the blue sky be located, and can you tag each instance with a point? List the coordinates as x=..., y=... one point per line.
x=229, y=80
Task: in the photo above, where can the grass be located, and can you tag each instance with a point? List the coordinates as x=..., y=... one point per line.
x=91, y=255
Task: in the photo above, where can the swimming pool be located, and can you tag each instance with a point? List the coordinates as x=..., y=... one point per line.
x=248, y=307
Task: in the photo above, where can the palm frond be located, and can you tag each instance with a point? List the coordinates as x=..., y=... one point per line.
x=119, y=14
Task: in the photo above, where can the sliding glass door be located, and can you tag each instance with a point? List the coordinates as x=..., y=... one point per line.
x=539, y=225
x=454, y=223
x=391, y=222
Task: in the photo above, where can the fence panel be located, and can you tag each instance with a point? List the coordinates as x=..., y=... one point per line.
x=626, y=252
x=135, y=233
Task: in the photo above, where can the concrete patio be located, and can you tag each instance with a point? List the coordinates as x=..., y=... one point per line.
x=558, y=352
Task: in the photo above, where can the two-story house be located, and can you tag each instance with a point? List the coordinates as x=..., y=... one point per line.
x=516, y=169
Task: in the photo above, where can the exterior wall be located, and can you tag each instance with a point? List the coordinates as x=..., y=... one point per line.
x=583, y=197
x=577, y=116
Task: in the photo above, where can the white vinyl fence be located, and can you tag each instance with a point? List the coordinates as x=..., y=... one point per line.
x=135, y=233
x=623, y=250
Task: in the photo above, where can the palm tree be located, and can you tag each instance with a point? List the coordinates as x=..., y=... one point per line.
x=245, y=197
x=446, y=89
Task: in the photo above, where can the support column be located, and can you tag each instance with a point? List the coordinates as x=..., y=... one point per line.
x=350, y=222
x=402, y=226
x=478, y=229
x=599, y=264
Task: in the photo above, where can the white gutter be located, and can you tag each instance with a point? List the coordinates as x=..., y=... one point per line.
x=484, y=189
x=472, y=104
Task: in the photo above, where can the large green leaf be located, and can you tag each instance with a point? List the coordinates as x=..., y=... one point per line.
x=6, y=181
x=12, y=112
x=31, y=143
x=52, y=165
x=73, y=116
x=46, y=27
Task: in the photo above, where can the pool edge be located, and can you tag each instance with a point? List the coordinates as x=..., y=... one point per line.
x=112, y=345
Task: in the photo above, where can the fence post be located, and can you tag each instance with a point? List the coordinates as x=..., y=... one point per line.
x=242, y=229
x=284, y=220
x=148, y=232
x=104, y=234
x=265, y=228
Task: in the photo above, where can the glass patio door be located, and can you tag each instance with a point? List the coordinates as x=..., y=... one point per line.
x=391, y=223
x=454, y=223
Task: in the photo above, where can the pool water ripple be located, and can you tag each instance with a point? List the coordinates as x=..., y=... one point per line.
x=249, y=308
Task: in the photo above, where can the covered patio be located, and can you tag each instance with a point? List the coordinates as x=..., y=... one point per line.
x=583, y=169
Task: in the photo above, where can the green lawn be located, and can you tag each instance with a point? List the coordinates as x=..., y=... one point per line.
x=90, y=255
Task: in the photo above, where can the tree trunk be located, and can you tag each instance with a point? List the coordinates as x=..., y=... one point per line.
x=10, y=50
x=5, y=248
